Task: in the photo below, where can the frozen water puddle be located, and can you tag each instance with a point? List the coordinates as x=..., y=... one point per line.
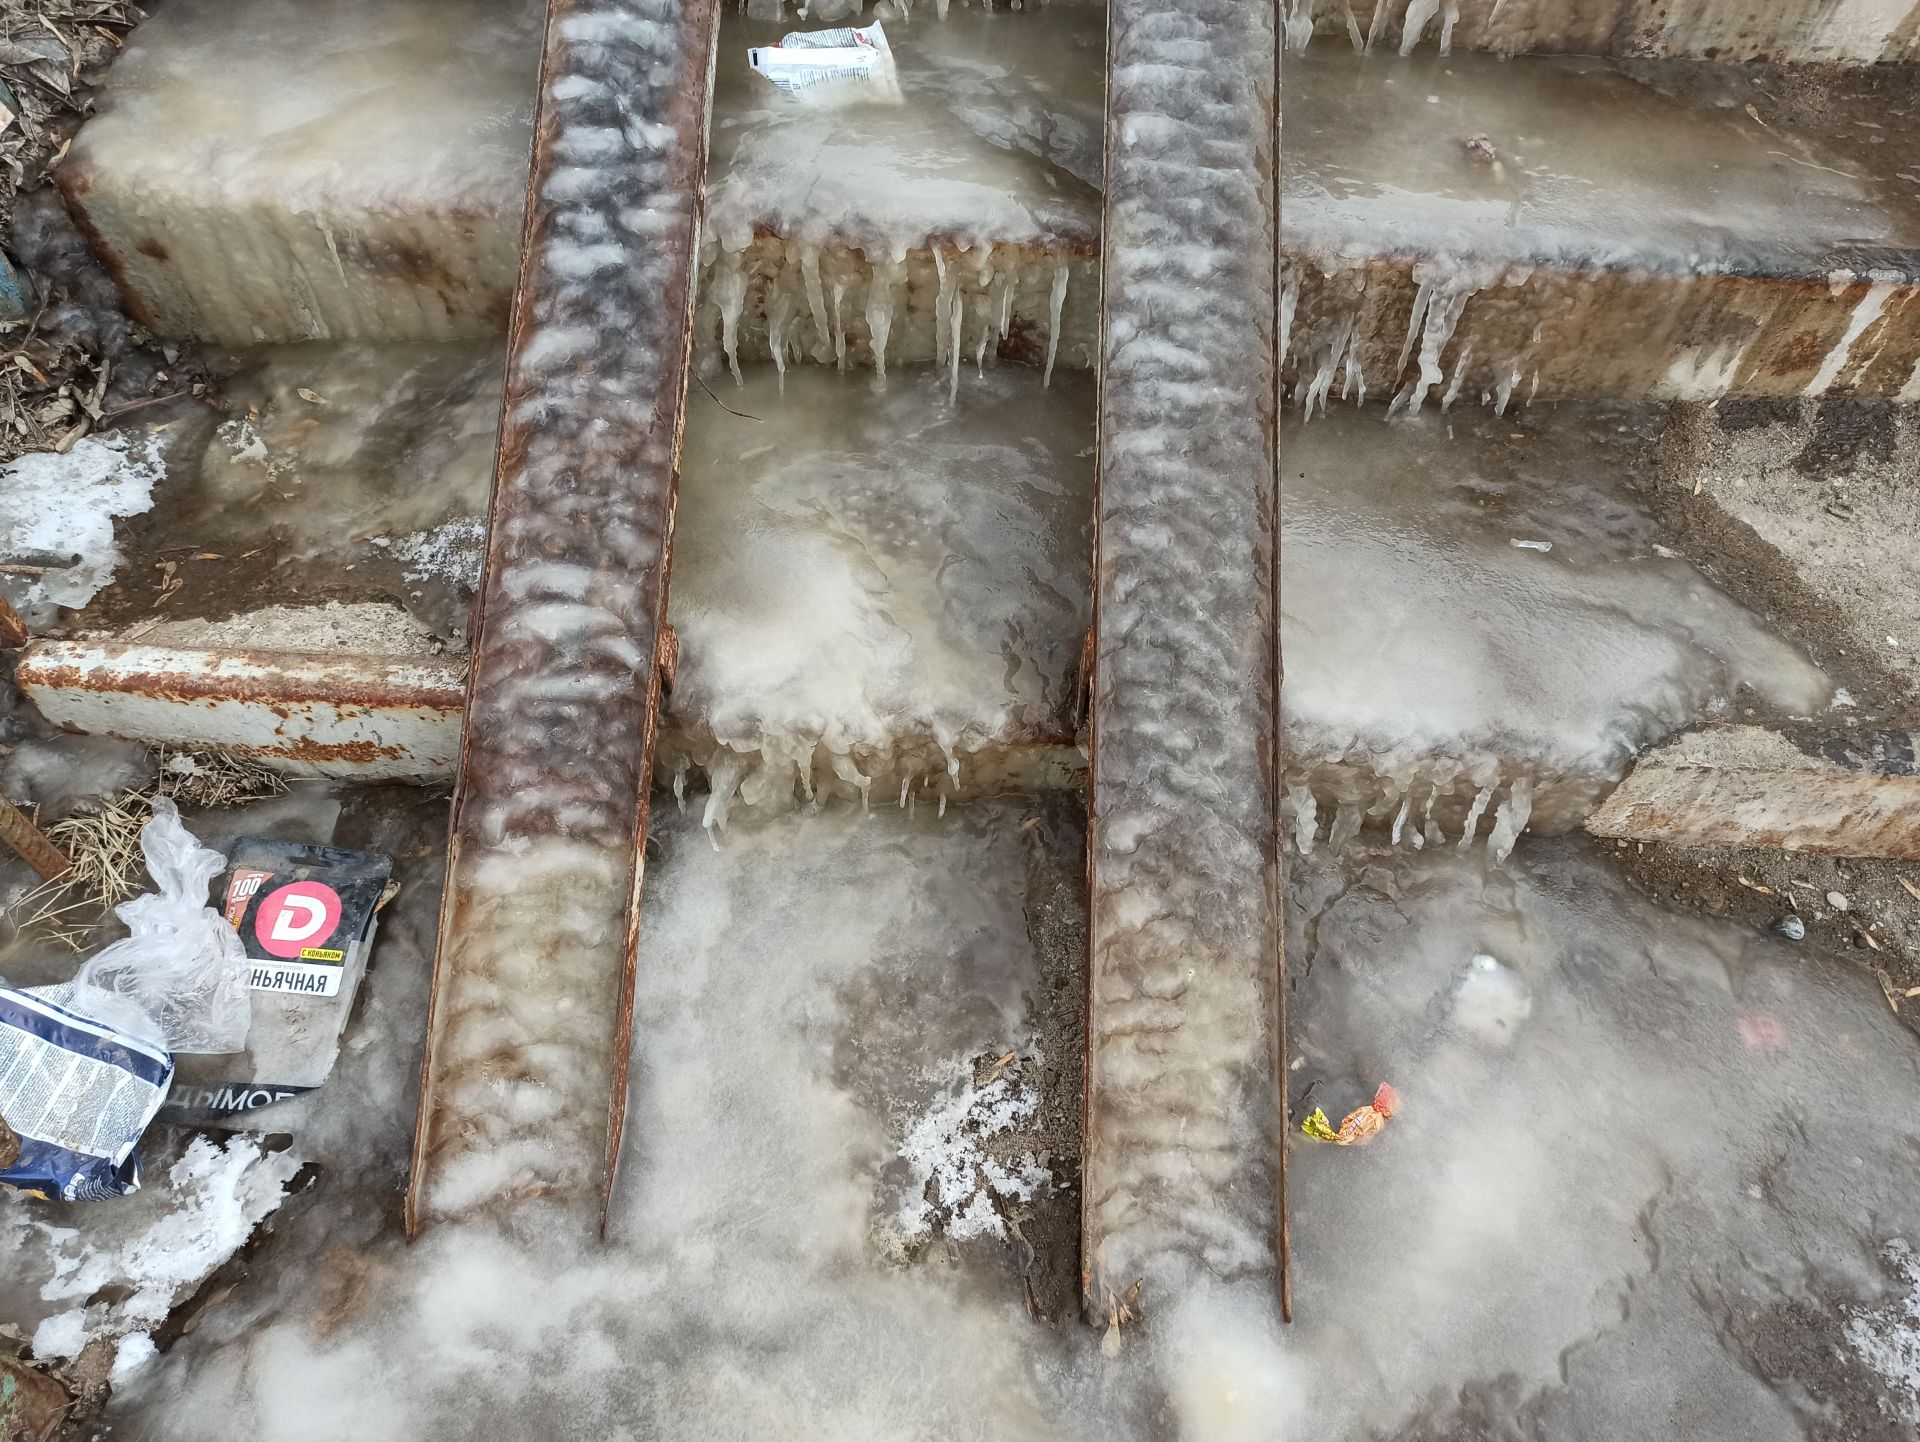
x=874, y=233
x=1482, y=626
x=880, y=592
x=1651, y=1173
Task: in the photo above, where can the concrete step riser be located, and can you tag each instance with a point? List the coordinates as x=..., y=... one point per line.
x=1851, y=32
x=1410, y=330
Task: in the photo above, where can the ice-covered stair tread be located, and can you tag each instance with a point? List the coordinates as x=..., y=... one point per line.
x=319, y=477
x=995, y=139
x=1470, y=599
x=282, y=170
x=872, y=584
x=1670, y=166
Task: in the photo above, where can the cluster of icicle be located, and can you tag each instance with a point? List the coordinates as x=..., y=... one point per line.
x=769, y=774
x=1410, y=817
x=1445, y=288
x=812, y=300
x=1297, y=25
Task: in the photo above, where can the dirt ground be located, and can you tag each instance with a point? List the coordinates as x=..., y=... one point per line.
x=1807, y=512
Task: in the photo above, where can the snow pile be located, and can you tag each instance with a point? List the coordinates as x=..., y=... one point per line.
x=57, y=512
x=1887, y=1338
x=125, y=1285
x=453, y=551
x=953, y=1179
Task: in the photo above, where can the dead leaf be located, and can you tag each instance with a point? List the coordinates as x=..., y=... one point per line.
x=1912, y=890
x=311, y=397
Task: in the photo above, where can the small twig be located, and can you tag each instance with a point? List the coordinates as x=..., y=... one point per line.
x=722, y=404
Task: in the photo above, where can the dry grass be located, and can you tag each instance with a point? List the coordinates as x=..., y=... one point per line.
x=104, y=844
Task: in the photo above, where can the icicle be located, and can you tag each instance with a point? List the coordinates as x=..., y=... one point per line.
x=1400, y=818
x=1459, y=374
x=1353, y=32
x=779, y=312
x=1511, y=819
x=1474, y=813
x=844, y=768
x=959, y=308
x=986, y=334
x=883, y=294
x=680, y=785
x=905, y=781
x=1443, y=314
x=724, y=773
x=1347, y=820
x=730, y=294
x=1297, y=33
x=1421, y=300
x=1289, y=304
x=1430, y=830
x=816, y=302
x=839, y=325
x=1056, y=306
x=1378, y=23
x=940, y=9
x=1006, y=305
x=1306, y=815
x=947, y=285
x=1503, y=389
x=1419, y=12
x=943, y=805
x=1451, y=19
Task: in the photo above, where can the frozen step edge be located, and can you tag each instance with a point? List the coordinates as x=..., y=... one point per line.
x=1035, y=302
x=523, y=1085
x=353, y=717
x=1185, y=1092
x=281, y=172
x=1439, y=331
x=1744, y=786
x=1851, y=31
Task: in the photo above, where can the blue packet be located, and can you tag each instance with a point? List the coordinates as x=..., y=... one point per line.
x=77, y=1092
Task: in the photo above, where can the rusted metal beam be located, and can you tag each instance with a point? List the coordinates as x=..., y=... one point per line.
x=1185, y=1109
x=361, y=718
x=1740, y=786
x=523, y=1085
x=30, y=844
x=13, y=631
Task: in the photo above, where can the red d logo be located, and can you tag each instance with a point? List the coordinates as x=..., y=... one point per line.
x=296, y=916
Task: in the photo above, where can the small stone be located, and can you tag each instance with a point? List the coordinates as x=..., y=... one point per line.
x=1836, y=901
x=32, y=1404
x=1791, y=927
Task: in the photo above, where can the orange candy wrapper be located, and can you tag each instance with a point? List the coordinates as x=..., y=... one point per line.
x=1357, y=1126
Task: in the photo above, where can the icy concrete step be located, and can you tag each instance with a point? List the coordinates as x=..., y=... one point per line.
x=280, y=171
x=1847, y=32
x=357, y=170
x=964, y=211
x=1742, y=786
x=1478, y=230
x=880, y=593
x=1484, y=623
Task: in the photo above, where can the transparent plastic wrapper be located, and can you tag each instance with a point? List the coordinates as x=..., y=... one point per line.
x=183, y=967
x=850, y=62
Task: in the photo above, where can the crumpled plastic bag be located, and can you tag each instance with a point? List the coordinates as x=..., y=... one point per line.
x=1360, y=1125
x=180, y=979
